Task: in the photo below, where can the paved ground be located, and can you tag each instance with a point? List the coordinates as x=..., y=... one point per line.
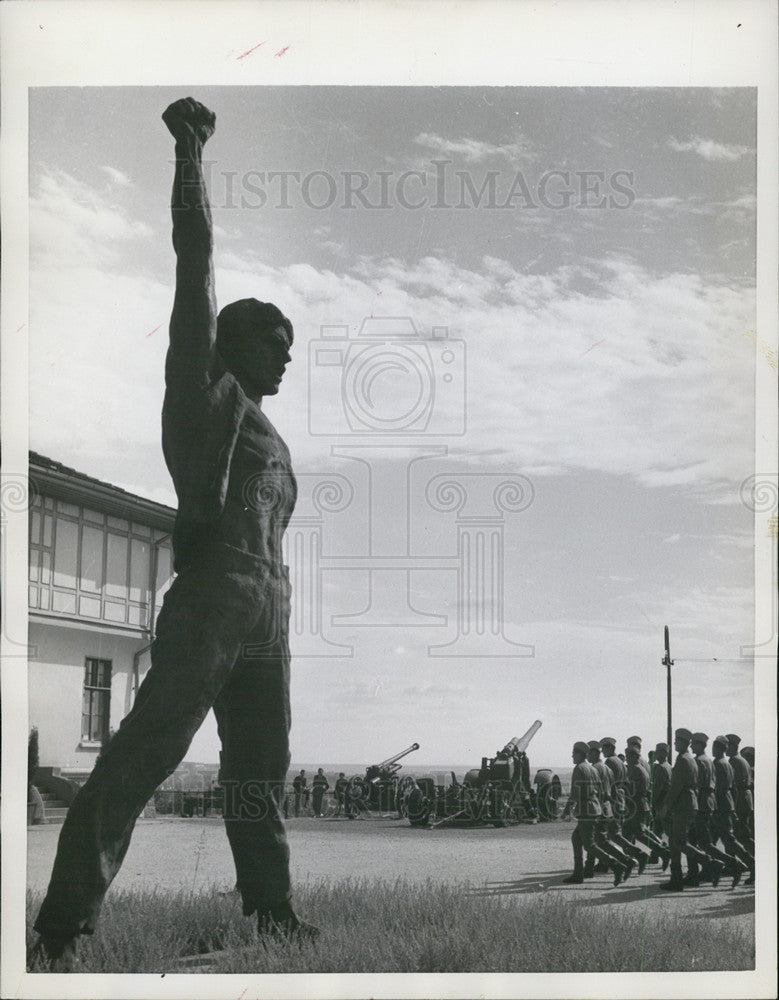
x=174, y=853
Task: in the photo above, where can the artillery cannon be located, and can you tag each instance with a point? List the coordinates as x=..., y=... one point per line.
x=381, y=789
x=496, y=793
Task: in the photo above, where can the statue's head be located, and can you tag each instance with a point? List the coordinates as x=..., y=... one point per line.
x=254, y=339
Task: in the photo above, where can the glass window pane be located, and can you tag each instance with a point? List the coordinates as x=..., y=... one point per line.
x=91, y=559
x=118, y=522
x=35, y=564
x=65, y=554
x=67, y=508
x=164, y=571
x=139, y=570
x=35, y=528
x=46, y=568
x=116, y=566
x=48, y=521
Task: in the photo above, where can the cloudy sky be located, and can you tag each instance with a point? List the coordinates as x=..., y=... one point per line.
x=589, y=252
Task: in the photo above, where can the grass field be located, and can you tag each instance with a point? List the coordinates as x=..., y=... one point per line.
x=402, y=926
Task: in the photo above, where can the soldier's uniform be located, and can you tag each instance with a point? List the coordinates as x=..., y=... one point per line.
x=701, y=832
x=605, y=824
x=722, y=817
x=584, y=802
x=619, y=774
x=748, y=753
x=636, y=826
x=742, y=794
x=661, y=782
x=635, y=741
x=681, y=806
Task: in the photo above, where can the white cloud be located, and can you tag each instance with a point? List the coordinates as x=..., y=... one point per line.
x=709, y=149
x=70, y=221
x=650, y=377
x=117, y=176
x=474, y=150
x=645, y=376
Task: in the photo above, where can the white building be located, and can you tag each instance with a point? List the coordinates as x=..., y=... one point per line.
x=100, y=563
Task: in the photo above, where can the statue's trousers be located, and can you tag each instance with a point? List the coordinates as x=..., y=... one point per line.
x=222, y=641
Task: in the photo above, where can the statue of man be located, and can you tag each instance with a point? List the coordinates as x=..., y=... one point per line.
x=221, y=637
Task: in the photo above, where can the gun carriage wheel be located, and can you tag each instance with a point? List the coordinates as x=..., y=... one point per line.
x=404, y=788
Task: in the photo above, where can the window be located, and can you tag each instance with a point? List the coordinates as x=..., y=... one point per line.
x=97, y=700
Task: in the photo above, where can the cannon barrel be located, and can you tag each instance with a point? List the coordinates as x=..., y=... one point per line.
x=403, y=753
x=520, y=743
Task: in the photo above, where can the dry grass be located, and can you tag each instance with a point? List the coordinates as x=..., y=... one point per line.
x=401, y=926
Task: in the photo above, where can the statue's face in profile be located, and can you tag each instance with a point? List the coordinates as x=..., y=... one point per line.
x=259, y=358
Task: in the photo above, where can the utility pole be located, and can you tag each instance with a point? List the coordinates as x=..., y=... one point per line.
x=668, y=663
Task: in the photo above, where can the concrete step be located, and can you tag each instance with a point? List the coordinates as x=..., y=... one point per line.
x=56, y=815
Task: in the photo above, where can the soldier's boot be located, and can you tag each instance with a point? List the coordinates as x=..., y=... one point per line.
x=676, y=883
x=712, y=872
x=736, y=871
x=751, y=879
x=693, y=877
x=575, y=878
x=623, y=870
x=589, y=866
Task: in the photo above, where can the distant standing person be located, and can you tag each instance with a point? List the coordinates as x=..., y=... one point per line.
x=300, y=787
x=320, y=784
x=340, y=793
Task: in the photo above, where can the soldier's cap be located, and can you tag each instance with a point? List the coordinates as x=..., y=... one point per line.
x=608, y=741
x=732, y=738
x=661, y=747
x=593, y=745
x=580, y=747
x=699, y=738
x=633, y=750
x=722, y=740
x=634, y=741
x=748, y=753
x=683, y=734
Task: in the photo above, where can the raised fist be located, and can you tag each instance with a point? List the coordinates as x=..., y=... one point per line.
x=188, y=118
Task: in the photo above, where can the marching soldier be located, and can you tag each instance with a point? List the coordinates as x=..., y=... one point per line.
x=635, y=741
x=618, y=769
x=681, y=806
x=722, y=817
x=661, y=782
x=706, y=802
x=583, y=801
x=604, y=825
x=636, y=825
x=742, y=793
x=748, y=753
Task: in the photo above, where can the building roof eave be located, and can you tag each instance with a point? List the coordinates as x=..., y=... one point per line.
x=60, y=482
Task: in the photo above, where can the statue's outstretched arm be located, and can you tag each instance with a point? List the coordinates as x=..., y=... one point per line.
x=190, y=359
